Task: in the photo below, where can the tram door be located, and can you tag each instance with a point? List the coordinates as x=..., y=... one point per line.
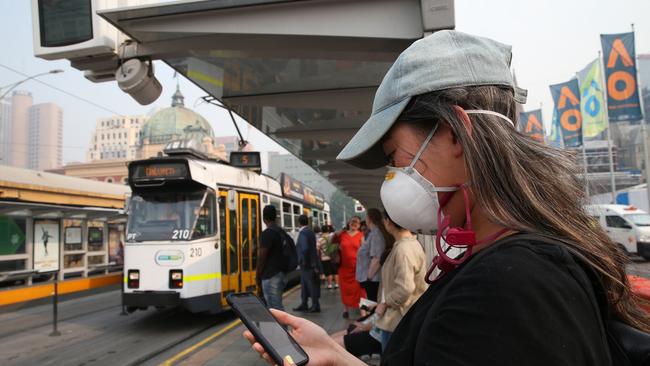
x=229, y=247
x=249, y=226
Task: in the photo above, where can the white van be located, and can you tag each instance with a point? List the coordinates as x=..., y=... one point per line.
x=627, y=226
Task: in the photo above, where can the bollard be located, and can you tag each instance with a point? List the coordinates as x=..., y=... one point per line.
x=55, y=307
x=123, y=313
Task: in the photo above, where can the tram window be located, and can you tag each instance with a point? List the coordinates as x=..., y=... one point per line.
x=245, y=244
x=205, y=222
x=287, y=221
x=163, y=216
x=232, y=247
x=12, y=235
x=222, y=226
x=254, y=231
x=296, y=214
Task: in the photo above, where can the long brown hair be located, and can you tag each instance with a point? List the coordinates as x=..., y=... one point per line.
x=528, y=186
x=375, y=217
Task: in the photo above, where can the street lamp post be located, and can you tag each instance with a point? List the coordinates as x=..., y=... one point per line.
x=14, y=85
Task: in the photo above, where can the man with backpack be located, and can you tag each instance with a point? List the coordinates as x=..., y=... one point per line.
x=271, y=260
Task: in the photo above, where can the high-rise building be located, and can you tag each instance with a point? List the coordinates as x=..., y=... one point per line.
x=45, y=136
x=5, y=130
x=115, y=137
x=644, y=70
x=19, y=136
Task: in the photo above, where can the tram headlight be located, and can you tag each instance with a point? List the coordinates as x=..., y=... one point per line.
x=176, y=278
x=133, y=278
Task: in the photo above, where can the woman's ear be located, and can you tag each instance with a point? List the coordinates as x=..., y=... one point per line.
x=465, y=119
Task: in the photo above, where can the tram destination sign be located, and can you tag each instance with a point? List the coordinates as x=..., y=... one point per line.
x=247, y=160
x=160, y=170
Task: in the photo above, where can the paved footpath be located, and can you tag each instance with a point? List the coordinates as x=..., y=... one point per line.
x=231, y=348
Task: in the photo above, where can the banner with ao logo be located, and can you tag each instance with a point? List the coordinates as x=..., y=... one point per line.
x=532, y=124
x=592, y=101
x=566, y=97
x=619, y=59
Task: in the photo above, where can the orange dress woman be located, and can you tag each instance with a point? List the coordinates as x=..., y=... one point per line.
x=350, y=241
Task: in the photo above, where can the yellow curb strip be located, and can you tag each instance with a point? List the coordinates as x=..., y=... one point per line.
x=177, y=357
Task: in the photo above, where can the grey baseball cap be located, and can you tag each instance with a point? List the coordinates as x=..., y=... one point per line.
x=443, y=60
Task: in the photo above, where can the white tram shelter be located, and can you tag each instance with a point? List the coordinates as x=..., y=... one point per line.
x=304, y=72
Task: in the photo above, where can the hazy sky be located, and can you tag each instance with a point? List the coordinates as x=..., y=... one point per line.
x=551, y=41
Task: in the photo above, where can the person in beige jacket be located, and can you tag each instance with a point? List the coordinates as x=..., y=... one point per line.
x=402, y=278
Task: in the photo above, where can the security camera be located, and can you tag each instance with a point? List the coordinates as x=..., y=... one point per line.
x=136, y=78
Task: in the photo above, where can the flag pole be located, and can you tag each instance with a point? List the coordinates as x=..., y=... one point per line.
x=644, y=134
x=612, y=181
x=585, y=163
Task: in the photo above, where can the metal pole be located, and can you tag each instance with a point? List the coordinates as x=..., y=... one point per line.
x=14, y=85
x=643, y=131
x=609, y=131
x=55, y=307
x=586, y=169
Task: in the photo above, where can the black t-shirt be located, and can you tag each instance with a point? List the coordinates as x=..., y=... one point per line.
x=271, y=240
x=517, y=304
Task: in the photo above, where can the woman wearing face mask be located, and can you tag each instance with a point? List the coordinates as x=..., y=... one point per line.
x=443, y=121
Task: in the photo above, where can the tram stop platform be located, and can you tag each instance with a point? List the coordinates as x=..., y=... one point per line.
x=231, y=348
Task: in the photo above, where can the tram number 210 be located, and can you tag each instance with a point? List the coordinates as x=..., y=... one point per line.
x=180, y=234
x=196, y=252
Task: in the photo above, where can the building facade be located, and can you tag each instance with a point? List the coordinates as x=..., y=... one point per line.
x=31, y=135
x=115, y=137
x=120, y=139
x=45, y=136
x=296, y=168
x=18, y=141
x=5, y=130
x=177, y=123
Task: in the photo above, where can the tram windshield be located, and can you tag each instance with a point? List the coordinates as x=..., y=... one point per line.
x=164, y=215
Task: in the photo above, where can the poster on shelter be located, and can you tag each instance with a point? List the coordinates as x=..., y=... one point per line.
x=46, y=246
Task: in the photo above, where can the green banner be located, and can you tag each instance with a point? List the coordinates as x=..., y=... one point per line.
x=592, y=104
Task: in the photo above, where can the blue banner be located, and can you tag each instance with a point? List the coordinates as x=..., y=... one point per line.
x=531, y=122
x=555, y=138
x=566, y=97
x=620, y=77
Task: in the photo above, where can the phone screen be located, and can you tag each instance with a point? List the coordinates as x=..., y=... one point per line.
x=255, y=314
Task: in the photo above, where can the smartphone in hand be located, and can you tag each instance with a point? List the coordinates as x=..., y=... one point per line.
x=277, y=342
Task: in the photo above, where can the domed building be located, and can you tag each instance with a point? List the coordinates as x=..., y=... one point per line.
x=177, y=123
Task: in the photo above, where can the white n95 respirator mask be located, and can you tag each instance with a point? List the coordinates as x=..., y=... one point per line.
x=411, y=200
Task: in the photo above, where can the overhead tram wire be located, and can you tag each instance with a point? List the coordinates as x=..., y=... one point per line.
x=64, y=91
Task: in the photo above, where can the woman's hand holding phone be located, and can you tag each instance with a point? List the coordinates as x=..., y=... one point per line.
x=322, y=350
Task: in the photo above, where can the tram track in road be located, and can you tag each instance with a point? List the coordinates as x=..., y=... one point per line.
x=41, y=316
x=153, y=354
x=205, y=341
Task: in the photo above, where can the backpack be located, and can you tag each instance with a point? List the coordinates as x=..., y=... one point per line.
x=628, y=346
x=289, y=253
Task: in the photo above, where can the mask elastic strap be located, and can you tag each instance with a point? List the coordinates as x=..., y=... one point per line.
x=493, y=113
x=424, y=146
